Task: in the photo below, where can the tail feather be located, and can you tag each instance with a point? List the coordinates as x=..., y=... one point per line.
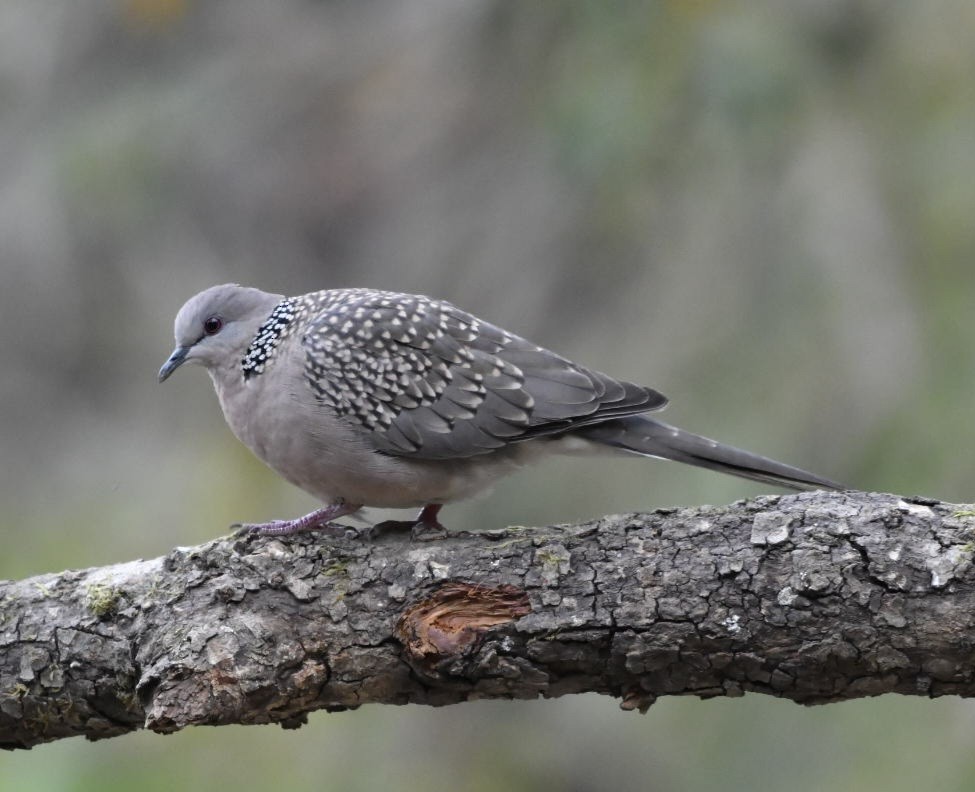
x=649, y=437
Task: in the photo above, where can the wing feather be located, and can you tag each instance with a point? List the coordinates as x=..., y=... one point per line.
x=430, y=381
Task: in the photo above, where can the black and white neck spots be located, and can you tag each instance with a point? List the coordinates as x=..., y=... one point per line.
x=269, y=335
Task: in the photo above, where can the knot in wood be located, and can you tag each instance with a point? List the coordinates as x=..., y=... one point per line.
x=450, y=623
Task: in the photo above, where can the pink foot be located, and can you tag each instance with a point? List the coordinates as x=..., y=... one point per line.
x=425, y=527
x=316, y=520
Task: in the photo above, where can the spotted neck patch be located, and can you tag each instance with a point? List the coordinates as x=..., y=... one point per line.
x=275, y=329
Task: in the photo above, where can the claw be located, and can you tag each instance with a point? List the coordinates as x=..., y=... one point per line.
x=320, y=519
x=426, y=527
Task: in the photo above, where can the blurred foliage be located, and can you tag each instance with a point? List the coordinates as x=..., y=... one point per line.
x=761, y=208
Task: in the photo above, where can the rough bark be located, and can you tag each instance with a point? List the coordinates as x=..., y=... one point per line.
x=815, y=597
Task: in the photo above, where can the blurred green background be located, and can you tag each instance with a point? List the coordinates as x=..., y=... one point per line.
x=764, y=209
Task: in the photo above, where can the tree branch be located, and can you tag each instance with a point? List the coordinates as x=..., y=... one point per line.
x=815, y=597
